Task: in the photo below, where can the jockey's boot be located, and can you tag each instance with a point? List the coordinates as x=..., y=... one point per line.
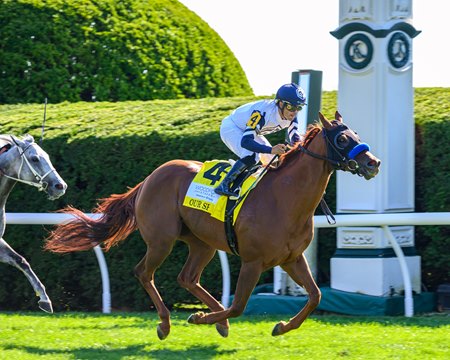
x=224, y=187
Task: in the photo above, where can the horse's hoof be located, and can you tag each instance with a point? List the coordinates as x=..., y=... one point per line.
x=277, y=330
x=46, y=306
x=191, y=318
x=161, y=334
x=222, y=330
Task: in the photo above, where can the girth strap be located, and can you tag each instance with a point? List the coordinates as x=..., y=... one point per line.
x=232, y=204
x=229, y=228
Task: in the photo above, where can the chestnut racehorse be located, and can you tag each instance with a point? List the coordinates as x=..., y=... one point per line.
x=274, y=226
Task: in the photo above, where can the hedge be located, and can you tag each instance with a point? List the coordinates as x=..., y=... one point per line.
x=102, y=148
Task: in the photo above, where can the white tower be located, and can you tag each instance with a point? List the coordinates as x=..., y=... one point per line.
x=376, y=98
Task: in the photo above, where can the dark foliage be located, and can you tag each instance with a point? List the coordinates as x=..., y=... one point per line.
x=432, y=186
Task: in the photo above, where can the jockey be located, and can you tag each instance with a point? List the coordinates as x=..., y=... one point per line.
x=244, y=129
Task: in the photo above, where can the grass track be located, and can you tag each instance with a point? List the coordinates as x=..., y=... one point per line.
x=133, y=336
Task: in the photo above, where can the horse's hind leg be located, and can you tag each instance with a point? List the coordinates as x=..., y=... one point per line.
x=11, y=257
x=299, y=271
x=200, y=254
x=157, y=251
x=247, y=280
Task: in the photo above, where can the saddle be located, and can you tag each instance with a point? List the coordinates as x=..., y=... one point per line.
x=236, y=186
x=201, y=196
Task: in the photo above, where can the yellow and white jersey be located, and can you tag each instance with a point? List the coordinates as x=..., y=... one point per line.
x=261, y=116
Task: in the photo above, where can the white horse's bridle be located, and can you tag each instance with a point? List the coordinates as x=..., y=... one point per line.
x=40, y=184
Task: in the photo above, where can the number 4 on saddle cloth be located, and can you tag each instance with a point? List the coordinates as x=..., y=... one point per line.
x=201, y=195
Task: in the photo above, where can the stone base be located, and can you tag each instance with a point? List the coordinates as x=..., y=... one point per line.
x=373, y=276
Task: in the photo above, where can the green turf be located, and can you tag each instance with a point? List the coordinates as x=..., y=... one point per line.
x=133, y=336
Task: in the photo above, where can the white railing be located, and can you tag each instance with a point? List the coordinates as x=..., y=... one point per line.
x=383, y=220
x=53, y=219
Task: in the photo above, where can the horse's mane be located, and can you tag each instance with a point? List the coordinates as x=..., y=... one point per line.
x=311, y=132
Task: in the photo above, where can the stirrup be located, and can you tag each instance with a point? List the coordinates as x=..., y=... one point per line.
x=236, y=195
x=225, y=192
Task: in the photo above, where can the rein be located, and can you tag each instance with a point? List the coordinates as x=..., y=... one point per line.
x=41, y=185
x=344, y=162
x=318, y=156
x=323, y=204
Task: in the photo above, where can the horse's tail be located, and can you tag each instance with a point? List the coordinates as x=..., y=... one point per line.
x=116, y=222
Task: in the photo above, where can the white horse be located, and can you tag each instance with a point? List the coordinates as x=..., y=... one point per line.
x=22, y=160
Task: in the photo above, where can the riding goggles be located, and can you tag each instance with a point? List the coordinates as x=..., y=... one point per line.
x=292, y=108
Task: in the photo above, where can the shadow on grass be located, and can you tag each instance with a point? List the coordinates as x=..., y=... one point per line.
x=432, y=320
x=194, y=352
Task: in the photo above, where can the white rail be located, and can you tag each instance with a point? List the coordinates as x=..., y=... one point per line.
x=383, y=220
x=53, y=219
x=397, y=219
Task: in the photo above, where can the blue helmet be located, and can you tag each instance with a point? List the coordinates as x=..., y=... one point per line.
x=291, y=93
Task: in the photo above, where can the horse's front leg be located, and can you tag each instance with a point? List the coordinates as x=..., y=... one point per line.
x=247, y=280
x=299, y=271
x=9, y=256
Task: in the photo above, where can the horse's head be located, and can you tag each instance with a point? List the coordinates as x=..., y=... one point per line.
x=26, y=162
x=345, y=149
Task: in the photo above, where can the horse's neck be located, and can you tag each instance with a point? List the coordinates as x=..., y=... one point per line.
x=6, y=185
x=306, y=178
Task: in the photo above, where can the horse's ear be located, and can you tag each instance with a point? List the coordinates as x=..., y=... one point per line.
x=326, y=124
x=29, y=138
x=338, y=116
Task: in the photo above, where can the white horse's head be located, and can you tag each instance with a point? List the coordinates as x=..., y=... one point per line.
x=21, y=159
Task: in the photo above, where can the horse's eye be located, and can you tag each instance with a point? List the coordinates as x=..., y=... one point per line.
x=342, y=139
x=35, y=158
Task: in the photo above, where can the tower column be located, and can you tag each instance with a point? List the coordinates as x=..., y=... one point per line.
x=375, y=96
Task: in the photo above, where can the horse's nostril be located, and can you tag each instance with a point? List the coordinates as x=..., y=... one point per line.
x=59, y=186
x=374, y=163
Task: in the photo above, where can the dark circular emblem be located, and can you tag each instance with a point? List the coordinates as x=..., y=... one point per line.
x=358, y=51
x=398, y=50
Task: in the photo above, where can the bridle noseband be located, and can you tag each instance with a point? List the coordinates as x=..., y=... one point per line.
x=341, y=158
x=40, y=184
